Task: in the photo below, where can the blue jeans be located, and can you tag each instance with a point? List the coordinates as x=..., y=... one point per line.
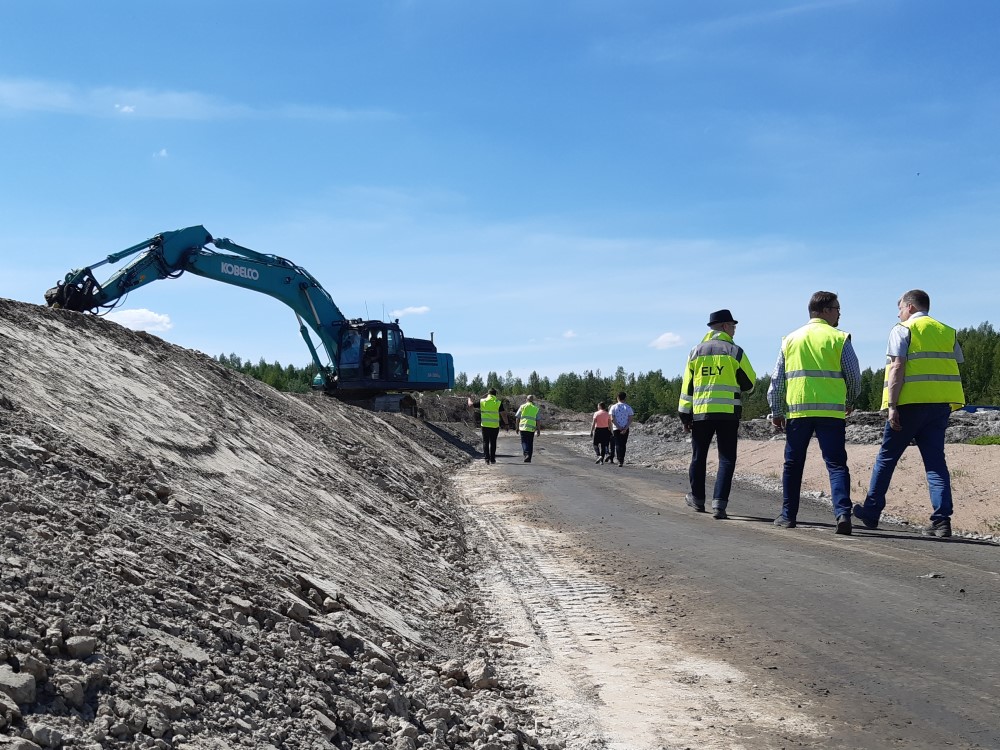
x=726, y=432
x=924, y=424
x=527, y=443
x=830, y=432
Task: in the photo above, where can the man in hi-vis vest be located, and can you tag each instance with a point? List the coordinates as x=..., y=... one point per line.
x=717, y=372
x=922, y=387
x=815, y=378
x=528, y=425
x=491, y=412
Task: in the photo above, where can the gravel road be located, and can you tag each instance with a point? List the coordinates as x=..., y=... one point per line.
x=654, y=626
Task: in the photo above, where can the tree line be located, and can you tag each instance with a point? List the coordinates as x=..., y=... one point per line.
x=652, y=392
x=290, y=378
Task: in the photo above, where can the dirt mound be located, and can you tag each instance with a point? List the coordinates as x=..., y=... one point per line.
x=863, y=427
x=454, y=409
x=190, y=559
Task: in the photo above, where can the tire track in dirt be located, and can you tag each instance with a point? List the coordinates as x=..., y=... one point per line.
x=606, y=675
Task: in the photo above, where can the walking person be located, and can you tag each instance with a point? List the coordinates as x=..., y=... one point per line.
x=621, y=420
x=816, y=377
x=491, y=411
x=528, y=425
x=600, y=431
x=717, y=372
x=922, y=388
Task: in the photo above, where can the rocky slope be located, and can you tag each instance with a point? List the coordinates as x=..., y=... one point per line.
x=190, y=559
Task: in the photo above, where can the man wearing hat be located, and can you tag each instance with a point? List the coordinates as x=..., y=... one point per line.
x=815, y=378
x=718, y=371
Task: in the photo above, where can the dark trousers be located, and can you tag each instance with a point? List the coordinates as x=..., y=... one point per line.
x=619, y=440
x=830, y=433
x=527, y=443
x=924, y=424
x=725, y=431
x=490, y=435
x=602, y=439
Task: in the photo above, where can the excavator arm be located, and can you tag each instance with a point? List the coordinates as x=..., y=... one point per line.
x=395, y=366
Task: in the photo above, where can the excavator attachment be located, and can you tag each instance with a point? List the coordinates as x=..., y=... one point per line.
x=78, y=296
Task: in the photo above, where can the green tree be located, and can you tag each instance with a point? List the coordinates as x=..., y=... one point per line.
x=755, y=403
x=535, y=384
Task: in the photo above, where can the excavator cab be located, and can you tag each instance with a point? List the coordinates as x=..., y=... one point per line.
x=372, y=357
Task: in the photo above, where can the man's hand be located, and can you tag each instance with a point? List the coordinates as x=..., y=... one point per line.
x=894, y=422
x=687, y=427
x=778, y=422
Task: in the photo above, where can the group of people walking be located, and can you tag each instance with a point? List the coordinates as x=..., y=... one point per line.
x=815, y=381
x=492, y=412
x=609, y=430
x=814, y=384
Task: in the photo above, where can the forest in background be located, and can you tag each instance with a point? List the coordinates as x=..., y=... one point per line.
x=652, y=392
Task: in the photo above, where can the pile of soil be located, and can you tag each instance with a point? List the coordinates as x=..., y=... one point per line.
x=450, y=409
x=190, y=559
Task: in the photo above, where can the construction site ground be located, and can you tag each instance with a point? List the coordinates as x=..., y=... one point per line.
x=190, y=559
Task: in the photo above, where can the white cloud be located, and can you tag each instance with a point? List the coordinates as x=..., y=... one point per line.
x=402, y=312
x=27, y=95
x=141, y=320
x=666, y=341
x=161, y=154
x=570, y=334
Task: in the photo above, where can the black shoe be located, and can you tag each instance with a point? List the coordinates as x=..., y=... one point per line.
x=527, y=459
x=783, y=523
x=844, y=525
x=719, y=514
x=939, y=528
x=621, y=463
x=493, y=460
x=862, y=515
x=599, y=461
x=692, y=502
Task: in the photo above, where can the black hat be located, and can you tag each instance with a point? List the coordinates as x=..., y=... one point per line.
x=721, y=316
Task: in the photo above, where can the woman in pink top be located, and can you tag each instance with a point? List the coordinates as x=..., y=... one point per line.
x=600, y=430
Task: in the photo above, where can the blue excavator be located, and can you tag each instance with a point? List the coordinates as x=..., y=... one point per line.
x=364, y=358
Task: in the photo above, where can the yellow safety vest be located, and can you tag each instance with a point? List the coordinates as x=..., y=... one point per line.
x=489, y=412
x=814, y=379
x=931, y=373
x=529, y=413
x=711, y=377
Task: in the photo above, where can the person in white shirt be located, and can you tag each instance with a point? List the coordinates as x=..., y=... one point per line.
x=621, y=420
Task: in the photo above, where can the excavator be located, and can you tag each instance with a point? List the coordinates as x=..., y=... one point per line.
x=365, y=359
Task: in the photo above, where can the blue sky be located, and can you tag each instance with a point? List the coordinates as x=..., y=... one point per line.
x=546, y=186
